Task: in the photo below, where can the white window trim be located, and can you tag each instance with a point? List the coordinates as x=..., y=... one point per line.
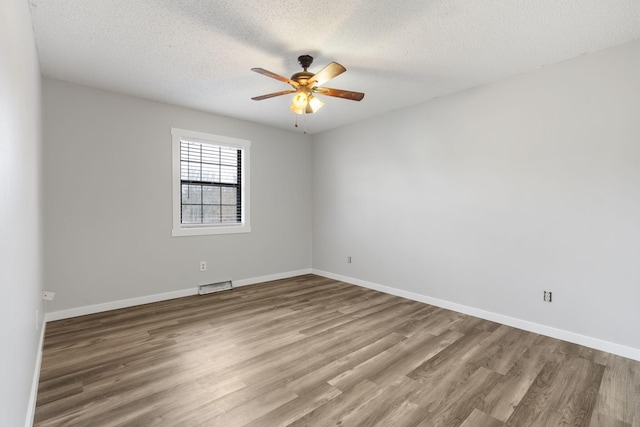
x=204, y=229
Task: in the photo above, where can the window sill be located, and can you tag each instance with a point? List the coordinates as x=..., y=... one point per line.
x=204, y=230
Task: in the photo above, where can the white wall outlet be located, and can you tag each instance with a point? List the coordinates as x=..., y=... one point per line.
x=348, y=260
x=48, y=295
x=547, y=296
x=203, y=265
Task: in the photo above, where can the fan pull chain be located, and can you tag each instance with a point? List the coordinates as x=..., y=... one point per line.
x=305, y=122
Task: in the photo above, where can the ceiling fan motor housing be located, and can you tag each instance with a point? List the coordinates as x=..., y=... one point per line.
x=302, y=77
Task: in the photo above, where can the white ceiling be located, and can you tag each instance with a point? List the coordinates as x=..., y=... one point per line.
x=199, y=54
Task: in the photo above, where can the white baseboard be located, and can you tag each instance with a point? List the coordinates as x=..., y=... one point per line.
x=31, y=409
x=595, y=343
x=114, y=305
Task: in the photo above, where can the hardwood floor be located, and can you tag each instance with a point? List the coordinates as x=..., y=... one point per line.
x=311, y=351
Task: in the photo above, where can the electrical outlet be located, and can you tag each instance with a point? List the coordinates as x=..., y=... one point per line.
x=348, y=260
x=48, y=295
x=547, y=297
x=203, y=265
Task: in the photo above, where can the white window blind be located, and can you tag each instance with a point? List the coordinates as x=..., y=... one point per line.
x=210, y=177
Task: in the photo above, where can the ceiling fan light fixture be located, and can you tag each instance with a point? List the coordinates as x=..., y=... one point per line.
x=315, y=104
x=300, y=100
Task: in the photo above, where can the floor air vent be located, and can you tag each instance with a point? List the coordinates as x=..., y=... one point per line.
x=214, y=287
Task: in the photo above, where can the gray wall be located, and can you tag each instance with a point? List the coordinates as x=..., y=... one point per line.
x=489, y=197
x=108, y=201
x=20, y=238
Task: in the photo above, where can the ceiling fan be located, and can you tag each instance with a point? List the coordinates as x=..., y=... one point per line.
x=306, y=84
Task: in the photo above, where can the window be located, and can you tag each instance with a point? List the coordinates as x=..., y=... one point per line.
x=210, y=184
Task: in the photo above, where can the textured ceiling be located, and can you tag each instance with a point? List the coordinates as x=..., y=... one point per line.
x=199, y=54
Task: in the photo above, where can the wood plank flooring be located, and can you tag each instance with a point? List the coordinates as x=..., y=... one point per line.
x=311, y=351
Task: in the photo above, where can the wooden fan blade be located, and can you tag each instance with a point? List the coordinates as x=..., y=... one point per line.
x=271, y=95
x=275, y=76
x=339, y=93
x=327, y=73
